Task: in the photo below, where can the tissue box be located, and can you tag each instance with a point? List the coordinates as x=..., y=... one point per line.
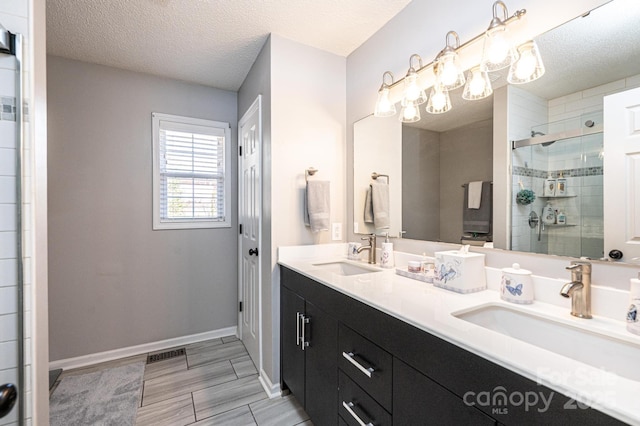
x=460, y=272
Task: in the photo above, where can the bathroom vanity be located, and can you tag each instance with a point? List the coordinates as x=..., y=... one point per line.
x=371, y=347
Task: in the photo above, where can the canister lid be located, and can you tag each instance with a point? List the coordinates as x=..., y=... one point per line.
x=515, y=269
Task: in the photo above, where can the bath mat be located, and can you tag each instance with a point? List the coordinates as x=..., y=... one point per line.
x=107, y=397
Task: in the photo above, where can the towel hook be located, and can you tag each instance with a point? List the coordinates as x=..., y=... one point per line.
x=375, y=176
x=309, y=172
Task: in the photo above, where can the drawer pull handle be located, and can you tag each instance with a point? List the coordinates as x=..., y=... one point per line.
x=348, y=406
x=352, y=360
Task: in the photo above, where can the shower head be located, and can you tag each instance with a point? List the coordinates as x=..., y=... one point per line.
x=5, y=40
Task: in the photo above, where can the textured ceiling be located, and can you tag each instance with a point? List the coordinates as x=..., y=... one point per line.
x=210, y=42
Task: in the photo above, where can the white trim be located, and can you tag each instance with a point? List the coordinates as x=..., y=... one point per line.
x=84, y=360
x=178, y=121
x=255, y=106
x=273, y=391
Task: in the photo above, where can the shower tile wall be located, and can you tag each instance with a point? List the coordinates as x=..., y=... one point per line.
x=14, y=17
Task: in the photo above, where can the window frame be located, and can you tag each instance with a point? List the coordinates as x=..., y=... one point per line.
x=189, y=223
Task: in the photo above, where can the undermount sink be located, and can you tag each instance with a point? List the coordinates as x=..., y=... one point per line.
x=592, y=348
x=346, y=268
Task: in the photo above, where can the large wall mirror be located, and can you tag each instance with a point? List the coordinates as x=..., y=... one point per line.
x=561, y=128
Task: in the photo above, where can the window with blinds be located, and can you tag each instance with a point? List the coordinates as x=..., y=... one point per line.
x=191, y=180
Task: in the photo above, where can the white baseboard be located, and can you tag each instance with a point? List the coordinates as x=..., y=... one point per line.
x=272, y=390
x=84, y=360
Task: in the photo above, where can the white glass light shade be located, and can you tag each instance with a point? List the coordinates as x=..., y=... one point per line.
x=478, y=85
x=410, y=113
x=384, y=106
x=498, y=52
x=412, y=91
x=448, y=70
x=439, y=100
x=529, y=65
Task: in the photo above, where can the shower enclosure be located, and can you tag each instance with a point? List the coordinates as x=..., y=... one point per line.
x=12, y=335
x=562, y=162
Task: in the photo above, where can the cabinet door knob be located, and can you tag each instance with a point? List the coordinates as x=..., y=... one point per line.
x=253, y=251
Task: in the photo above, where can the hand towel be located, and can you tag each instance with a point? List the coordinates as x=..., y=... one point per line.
x=317, y=205
x=380, y=201
x=368, y=207
x=478, y=220
x=475, y=194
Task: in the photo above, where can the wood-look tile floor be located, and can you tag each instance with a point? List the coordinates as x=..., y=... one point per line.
x=214, y=383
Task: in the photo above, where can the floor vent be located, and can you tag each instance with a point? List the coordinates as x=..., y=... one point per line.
x=165, y=355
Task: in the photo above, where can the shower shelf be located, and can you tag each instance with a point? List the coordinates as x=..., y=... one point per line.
x=560, y=225
x=557, y=196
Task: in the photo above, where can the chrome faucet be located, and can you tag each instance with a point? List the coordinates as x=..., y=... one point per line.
x=371, y=247
x=579, y=289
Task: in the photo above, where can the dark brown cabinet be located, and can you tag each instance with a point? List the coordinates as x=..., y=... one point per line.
x=309, y=364
x=361, y=363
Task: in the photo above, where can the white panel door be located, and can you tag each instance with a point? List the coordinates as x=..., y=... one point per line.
x=622, y=173
x=250, y=138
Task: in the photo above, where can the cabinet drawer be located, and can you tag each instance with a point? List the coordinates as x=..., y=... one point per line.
x=355, y=354
x=355, y=402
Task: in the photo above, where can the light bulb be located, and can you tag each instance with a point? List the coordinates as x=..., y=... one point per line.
x=526, y=65
x=438, y=100
x=477, y=84
x=412, y=92
x=499, y=47
x=409, y=112
x=449, y=73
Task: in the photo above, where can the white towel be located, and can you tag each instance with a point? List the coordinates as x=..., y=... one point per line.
x=380, y=201
x=317, y=205
x=475, y=195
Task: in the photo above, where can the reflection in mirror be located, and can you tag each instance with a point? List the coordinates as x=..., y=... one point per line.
x=586, y=59
x=565, y=172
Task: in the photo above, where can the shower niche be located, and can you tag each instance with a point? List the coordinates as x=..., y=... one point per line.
x=562, y=163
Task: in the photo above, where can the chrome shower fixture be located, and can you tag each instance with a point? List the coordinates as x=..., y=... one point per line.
x=5, y=40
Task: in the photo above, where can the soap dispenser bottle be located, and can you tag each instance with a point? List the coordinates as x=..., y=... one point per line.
x=561, y=185
x=548, y=215
x=549, y=189
x=633, y=322
x=386, y=261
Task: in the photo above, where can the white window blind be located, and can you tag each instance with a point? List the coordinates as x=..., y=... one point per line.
x=190, y=177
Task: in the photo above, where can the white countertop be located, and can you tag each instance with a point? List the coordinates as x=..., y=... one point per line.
x=430, y=308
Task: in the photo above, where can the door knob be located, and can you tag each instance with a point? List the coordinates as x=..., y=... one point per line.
x=253, y=251
x=615, y=254
x=8, y=397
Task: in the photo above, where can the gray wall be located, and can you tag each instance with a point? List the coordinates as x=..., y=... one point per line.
x=113, y=281
x=420, y=183
x=466, y=154
x=258, y=82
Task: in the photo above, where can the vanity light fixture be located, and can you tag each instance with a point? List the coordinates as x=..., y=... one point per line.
x=478, y=85
x=498, y=51
x=384, y=106
x=413, y=93
x=439, y=100
x=447, y=69
x=529, y=65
